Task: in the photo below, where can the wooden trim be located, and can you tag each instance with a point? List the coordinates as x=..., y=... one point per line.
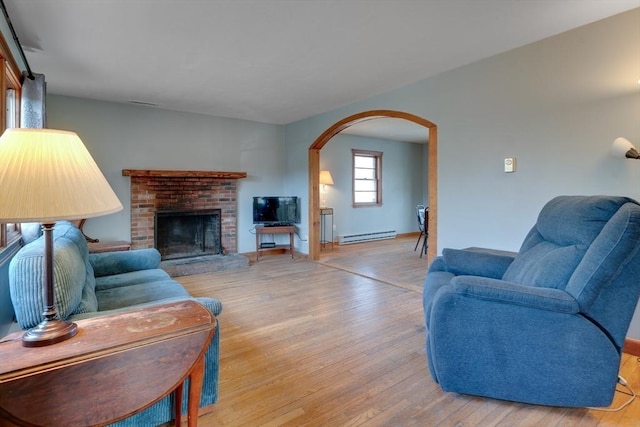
x=9, y=79
x=432, y=184
x=631, y=346
x=314, y=174
x=314, y=203
x=182, y=174
x=347, y=122
x=3, y=90
x=6, y=53
x=414, y=234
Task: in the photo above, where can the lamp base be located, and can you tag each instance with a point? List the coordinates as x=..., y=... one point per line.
x=49, y=332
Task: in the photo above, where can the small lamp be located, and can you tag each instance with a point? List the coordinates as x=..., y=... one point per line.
x=48, y=175
x=623, y=148
x=325, y=179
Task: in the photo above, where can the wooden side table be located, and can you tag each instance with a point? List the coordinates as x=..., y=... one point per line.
x=324, y=214
x=114, y=367
x=117, y=245
x=278, y=229
x=80, y=224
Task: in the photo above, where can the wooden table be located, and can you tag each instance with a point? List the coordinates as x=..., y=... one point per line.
x=115, y=366
x=324, y=213
x=109, y=246
x=278, y=229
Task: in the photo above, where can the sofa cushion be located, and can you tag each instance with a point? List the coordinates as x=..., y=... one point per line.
x=110, y=263
x=68, y=230
x=30, y=231
x=131, y=278
x=26, y=280
x=113, y=298
x=546, y=264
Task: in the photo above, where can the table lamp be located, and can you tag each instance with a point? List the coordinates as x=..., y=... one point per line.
x=48, y=175
x=325, y=179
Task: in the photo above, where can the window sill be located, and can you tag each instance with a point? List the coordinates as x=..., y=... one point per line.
x=367, y=205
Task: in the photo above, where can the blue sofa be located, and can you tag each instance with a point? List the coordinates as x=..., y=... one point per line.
x=546, y=325
x=88, y=285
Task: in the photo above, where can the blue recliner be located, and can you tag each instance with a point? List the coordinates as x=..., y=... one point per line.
x=546, y=325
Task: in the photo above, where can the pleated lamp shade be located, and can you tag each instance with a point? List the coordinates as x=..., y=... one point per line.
x=48, y=175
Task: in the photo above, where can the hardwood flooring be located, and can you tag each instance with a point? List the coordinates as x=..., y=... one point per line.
x=340, y=342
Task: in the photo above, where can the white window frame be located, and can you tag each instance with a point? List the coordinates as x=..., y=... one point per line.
x=366, y=177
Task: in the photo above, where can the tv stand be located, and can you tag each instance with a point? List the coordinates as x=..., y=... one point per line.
x=273, y=229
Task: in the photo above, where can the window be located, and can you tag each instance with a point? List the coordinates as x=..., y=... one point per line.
x=11, y=112
x=367, y=178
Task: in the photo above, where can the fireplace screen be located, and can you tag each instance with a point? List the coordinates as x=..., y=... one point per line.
x=188, y=234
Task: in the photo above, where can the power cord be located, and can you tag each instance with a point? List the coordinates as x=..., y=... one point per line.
x=631, y=393
x=297, y=232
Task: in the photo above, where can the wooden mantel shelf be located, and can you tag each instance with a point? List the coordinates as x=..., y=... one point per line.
x=182, y=174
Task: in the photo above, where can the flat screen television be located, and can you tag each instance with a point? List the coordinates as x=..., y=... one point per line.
x=276, y=210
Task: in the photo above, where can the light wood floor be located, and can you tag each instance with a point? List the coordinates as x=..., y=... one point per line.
x=340, y=342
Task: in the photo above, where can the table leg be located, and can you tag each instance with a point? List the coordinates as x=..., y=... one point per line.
x=195, y=390
x=177, y=398
x=291, y=244
x=257, y=245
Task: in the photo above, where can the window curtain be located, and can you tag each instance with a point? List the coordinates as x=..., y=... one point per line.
x=32, y=105
x=32, y=115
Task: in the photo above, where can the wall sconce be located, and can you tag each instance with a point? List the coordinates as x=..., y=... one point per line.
x=623, y=148
x=325, y=179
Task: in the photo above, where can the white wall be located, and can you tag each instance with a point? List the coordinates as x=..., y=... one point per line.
x=403, y=185
x=555, y=105
x=121, y=136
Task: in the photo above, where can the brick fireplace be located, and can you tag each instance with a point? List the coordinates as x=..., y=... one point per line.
x=159, y=191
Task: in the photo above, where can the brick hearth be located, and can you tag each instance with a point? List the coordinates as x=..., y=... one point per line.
x=154, y=190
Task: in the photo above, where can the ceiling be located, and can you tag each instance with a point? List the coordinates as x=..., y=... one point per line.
x=275, y=61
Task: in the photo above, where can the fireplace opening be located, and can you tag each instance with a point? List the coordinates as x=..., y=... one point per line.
x=186, y=234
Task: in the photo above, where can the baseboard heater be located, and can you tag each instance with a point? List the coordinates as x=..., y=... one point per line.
x=348, y=239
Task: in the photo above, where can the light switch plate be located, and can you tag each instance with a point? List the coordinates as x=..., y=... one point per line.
x=510, y=164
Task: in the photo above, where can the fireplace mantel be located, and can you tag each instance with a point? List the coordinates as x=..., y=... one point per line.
x=182, y=174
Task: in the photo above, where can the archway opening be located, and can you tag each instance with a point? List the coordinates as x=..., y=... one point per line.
x=314, y=173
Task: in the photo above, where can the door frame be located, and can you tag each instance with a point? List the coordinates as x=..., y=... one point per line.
x=314, y=174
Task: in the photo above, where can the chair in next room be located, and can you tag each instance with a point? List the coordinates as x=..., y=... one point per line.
x=422, y=214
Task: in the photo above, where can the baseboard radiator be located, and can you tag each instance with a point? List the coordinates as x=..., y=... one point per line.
x=348, y=239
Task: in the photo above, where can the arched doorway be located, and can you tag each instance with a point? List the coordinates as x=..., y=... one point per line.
x=314, y=172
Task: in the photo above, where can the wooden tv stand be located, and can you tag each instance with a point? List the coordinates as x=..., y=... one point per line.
x=277, y=229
